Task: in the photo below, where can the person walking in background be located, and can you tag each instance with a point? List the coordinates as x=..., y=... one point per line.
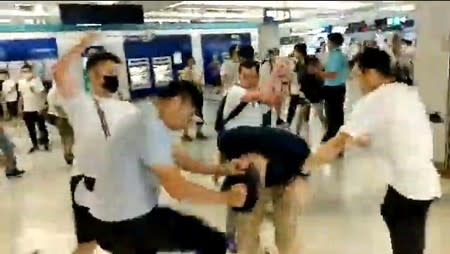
x=193, y=74
x=9, y=94
x=334, y=75
x=230, y=69
x=32, y=103
x=352, y=88
x=62, y=123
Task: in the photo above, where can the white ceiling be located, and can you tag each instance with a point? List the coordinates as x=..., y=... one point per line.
x=305, y=14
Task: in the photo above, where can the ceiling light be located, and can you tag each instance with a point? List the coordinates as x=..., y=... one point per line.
x=405, y=7
x=105, y=2
x=168, y=20
x=206, y=15
x=328, y=5
x=4, y=21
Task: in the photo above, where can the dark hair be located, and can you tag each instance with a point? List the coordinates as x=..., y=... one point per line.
x=100, y=57
x=26, y=67
x=232, y=49
x=246, y=52
x=301, y=48
x=376, y=59
x=336, y=38
x=354, y=60
x=312, y=60
x=185, y=89
x=249, y=64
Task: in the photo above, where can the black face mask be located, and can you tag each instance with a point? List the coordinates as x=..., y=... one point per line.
x=111, y=83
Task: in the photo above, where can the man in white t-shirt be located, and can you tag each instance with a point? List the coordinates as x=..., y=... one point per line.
x=32, y=100
x=10, y=95
x=230, y=68
x=390, y=120
x=132, y=155
x=251, y=114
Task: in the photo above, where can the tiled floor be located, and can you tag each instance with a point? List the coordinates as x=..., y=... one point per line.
x=342, y=217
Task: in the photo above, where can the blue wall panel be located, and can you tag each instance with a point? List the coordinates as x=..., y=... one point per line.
x=30, y=49
x=214, y=47
x=160, y=46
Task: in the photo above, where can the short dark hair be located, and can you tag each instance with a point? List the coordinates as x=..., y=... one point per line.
x=336, y=38
x=246, y=52
x=376, y=59
x=232, y=49
x=26, y=67
x=301, y=48
x=249, y=64
x=100, y=57
x=312, y=61
x=185, y=89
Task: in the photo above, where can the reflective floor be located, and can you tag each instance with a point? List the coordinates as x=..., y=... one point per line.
x=342, y=216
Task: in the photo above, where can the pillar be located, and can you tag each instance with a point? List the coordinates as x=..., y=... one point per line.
x=431, y=69
x=269, y=37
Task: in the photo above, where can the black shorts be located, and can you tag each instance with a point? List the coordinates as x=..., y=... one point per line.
x=162, y=229
x=85, y=224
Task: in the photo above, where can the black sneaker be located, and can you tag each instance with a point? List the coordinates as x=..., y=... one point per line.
x=15, y=173
x=33, y=149
x=46, y=147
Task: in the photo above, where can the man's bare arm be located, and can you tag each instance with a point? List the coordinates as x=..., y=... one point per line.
x=64, y=80
x=182, y=190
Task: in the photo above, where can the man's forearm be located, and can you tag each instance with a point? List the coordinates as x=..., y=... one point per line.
x=195, y=193
x=190, y=164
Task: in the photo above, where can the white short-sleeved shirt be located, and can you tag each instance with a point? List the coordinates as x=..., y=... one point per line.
x=124, y=188
x=394, y=118
x=33, y=94
x=9, y=90
x=230, y=69
x=251, y=115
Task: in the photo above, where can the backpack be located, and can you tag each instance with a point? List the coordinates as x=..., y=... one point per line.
x=220, y=123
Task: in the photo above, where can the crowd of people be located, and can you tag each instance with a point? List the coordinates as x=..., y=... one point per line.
x=124, y=151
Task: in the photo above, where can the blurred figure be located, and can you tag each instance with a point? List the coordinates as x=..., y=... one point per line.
x=300, y=55
x=229, y=69
x=32, y=102
x=352, y=87
x=246, y=53
x=264, y=76
x=7, y=147
x=322, y=54
x=9, y=93
x=56, y=111
x=193, y=74
x=312, y=88
x=335, y=75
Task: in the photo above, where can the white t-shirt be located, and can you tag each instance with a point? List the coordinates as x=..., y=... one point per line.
x=125, y=188
x=394, y=118
x=9, y=90
x=194, y=75
x=251, y=115
x=33, y=94
x=231, y=70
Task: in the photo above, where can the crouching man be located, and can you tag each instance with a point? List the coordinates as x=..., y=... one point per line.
x=277, y=156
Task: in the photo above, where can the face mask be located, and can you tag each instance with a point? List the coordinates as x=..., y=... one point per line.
x=111, y=83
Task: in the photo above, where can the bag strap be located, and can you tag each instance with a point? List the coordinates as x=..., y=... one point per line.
x=236, y=111
x=101, y=116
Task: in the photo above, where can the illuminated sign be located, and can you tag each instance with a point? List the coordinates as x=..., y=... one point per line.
x=277, y=15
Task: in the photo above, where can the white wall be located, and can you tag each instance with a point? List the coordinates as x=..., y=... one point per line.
x=432, y=65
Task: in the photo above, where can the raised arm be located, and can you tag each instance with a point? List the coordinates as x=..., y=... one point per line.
x=64, y=79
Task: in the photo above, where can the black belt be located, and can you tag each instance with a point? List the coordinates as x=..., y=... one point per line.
x=89, y=183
